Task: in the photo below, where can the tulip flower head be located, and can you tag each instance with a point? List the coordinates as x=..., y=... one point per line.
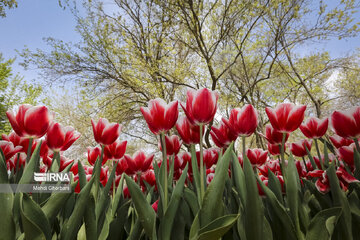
x=338, y=141
x=8, y=149
x=30, y=121
x=121, y=167
x=346, y=124
x=93, y=153
x=155, y=205
x=159, y=116
x=273, y=136
x=299, y=148
x=286, y=117
x=173, y=145
x=139, y=162
x=257, y=156
x=19, y=141
x=346, y=153
x=314, y=127
x=222, y=135
x=189, y=133
x=200, y=106
x=59, y=138
x=116, y=150
x=243, y=121
x=105, y=133
x=274, y=149
x=211, y=156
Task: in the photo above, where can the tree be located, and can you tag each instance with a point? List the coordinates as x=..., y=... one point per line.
x=243, y=49
x=13, y=91
x=6, y=4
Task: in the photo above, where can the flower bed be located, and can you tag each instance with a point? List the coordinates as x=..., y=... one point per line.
x=283, y=192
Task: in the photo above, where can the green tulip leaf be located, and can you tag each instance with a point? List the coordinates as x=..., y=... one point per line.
x=217, y=228
x=323, y=223
x=35, y=223
x=145, y=212
x=70, y=229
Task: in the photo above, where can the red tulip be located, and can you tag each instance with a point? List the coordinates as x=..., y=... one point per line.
x=30, y=121
x=345, y=178
x=18, y=141
x=265, y=180
x=21, y=158
x=331, y=158
x=126, y=192
x=257, y=156
x=323, y=184
x=347, y=123
x=242, y=122
x=173, y=145
x=189, y=133
x=8, y=149
x=75, y=168
x=103, y=174
x=298, y=149
x=159, y=116
x=273, y=136
x=105, y=133
x=121, y=167
x=59, y=138
x=241, y=160
x=274, y=149
x=64, y=162
x=300, y=167
x=155, y=205
x=77, y=188
x=148, y=177
x=314, y=127
x=210, y=157
x=222, y=135
x=209, y=176
x=338, y=141
x=272, y=165
x=44, y=149
x=139, y=162
x=201, y=106
x=181, y=160
x=93, y=153
x=116, y=150
x=286, y=117
x=346, y=153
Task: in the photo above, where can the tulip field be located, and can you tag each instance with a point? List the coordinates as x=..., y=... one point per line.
x=307, y=189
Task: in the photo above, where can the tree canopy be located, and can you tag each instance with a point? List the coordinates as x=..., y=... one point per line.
x=249, y=51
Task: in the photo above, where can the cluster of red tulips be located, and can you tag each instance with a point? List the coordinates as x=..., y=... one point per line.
x=31, y=123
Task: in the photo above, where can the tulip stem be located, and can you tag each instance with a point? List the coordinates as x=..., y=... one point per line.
x=318, y=152
x=114, y=184
x=55, y=163
x=139, y=178
x=305, y=164
x=282, y=153
x=356, y=141
x=202, y=185
x=28, y=154
x=243, y=146
x=102, y=153
x=163, y=147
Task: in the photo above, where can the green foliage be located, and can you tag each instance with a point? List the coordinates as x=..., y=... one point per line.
x=7, y=4
x=232, y=207
x=13, y=91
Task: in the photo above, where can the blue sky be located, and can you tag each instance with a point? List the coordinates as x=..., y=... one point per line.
x=29, y=23
x=33, y=20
